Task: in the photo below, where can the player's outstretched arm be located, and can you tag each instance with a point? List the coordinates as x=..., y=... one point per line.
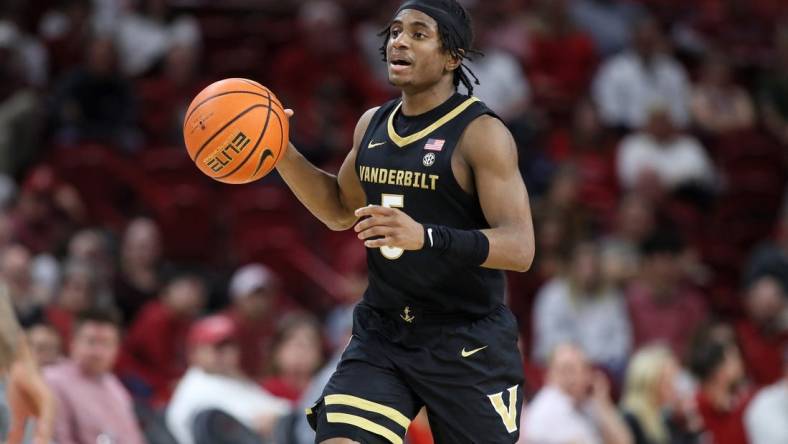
x=489, y=149
x=331, y=198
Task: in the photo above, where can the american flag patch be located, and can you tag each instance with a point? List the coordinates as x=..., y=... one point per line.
x=434, y=144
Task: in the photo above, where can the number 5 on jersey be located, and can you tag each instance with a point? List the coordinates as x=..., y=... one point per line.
x=392, y=201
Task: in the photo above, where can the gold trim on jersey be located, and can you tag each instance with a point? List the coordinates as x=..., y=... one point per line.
x=404, y=141
x=363, y=404
x=364, y=424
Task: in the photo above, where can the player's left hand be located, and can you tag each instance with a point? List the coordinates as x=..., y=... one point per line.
x=391, y=227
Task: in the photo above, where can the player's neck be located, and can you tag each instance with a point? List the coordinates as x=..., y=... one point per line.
x=416, y=103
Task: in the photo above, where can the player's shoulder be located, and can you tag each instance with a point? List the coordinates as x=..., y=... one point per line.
x=486, y=130
x=363, y=124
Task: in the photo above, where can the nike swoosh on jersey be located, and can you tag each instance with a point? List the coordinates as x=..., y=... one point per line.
x=429, y=233
x=373, y=145
x=465, y=354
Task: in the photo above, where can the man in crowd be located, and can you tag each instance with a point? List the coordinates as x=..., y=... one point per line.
x=92, y=405
x=574, y=406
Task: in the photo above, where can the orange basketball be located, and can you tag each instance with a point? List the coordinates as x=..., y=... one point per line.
x=235, y=130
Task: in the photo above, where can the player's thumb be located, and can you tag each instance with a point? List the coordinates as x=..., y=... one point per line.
x=289, y=113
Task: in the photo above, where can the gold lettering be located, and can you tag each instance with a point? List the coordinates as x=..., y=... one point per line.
x=400, y=175
x=423, y=184
x=408, y=178
x=392, y=177
x=383, y=174
x=373, y=175
x=508, y=416
x=433, y=178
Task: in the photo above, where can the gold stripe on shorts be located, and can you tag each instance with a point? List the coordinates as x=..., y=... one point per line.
x=364, y=424
x=363, y=404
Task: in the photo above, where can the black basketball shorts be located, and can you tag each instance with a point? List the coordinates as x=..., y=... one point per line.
x=469, y=376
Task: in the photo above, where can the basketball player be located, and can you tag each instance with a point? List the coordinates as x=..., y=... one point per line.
x=27, y=395
x=433, y=190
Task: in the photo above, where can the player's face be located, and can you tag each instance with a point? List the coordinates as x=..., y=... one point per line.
x=414, y=51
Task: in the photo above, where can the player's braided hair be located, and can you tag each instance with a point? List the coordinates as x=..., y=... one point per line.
x=459, y=43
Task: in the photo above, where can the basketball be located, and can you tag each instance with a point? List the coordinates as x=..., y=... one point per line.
x=235, y=130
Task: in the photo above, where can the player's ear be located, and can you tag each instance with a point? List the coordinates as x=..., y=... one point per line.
x=453, y=61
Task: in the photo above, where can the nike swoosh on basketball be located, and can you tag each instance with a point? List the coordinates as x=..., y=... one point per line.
x=373, y=145
x=465, y=354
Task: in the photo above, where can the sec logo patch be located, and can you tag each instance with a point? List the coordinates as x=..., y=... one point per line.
x=429, y=159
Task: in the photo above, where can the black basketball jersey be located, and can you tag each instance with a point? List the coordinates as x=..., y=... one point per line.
x=413, y=172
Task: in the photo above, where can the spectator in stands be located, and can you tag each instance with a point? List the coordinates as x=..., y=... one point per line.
x=166, y=97
x=91, y=247
x=765, y=418
x=47, y=211
x=77, y=293
x=253, y=293
x=574, y=405
x=15, y=263
x=31, y=52
x=562, y=58
x=296, y=355
x=64, y=30
x=718, y=104
x=723, y=396
x=620, y=250
x=503, y=85
x=590, y=147
x=772, y=256
x=92, y=405
x=609, y=22
x=153, y=353
x=632, y=83
x=578, y=306
x=215, y=381
x=139, y=271
x=662, y=307
x=147, y=34
x=327, y=96
x=19, y=106
x=773, y=94
x=94, y=102
x=653, y=408
x=661, y=157
x=46, y=344
x=563, y=199
x=763, y=333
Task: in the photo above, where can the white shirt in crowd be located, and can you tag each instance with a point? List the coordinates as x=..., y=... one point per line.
x=553, y=418
x=766, y=419
x=625, y=90
x=598, y=324
x=503, y=86
x=677, y=161
x=199, y=391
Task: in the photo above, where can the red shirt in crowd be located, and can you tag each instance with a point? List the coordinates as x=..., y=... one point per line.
x=279, y=387
x=725, y=426
x=560, y=67
x=672, y=321
x=154, y=350
x=762, y=352
x=253, y=338
x=63, y=323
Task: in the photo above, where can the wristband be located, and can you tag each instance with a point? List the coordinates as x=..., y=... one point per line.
x=469, y=246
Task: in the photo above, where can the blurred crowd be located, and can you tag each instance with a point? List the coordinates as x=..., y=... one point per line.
x=163, y=307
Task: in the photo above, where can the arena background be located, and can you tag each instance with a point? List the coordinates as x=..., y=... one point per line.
x=101, y=206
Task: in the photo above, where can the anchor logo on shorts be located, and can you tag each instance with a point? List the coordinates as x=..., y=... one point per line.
x=406, y=316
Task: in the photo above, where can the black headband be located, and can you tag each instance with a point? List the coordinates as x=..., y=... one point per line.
x=441, y=16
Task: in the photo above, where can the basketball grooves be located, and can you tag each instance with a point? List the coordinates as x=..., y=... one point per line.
x=208, y=99
x=243, y=113
x=254, y=148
